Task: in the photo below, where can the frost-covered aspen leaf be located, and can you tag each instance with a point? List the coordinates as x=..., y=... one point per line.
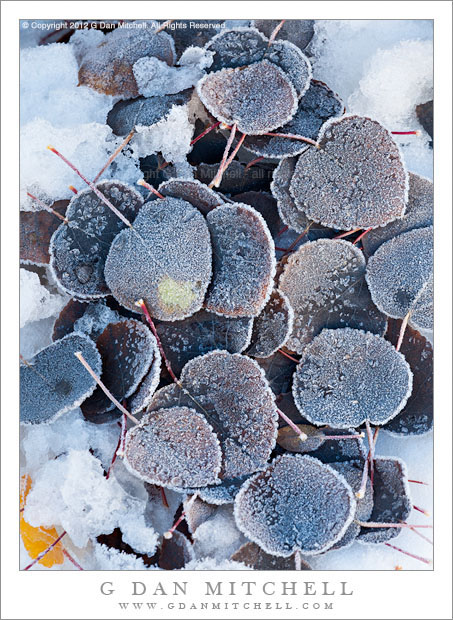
x=125, y=115
x=399, y=270
x=297, y=503
x=391, y=500
x=165, y=259
x=127, y=348
x=79, y=248
x=145, y=391
x=272, y=327
x=291, y=215
x=200, y=333
x=108, y=67
x=252, y=555
x=352, y=472
x=258, y=98
x=422, y=313
x=264, y=203
x=36, y=230
x=175, y=552
x=346, y=376
x=293, y=62
x=326, y=287
x=298, y=31
x=419, y=214
x=173, y=447
x=237, y=48
x=417, y=416
x=231, y=392
x=54, y=381
x=317, y=105
x=356, y=179
x=244, y=263
x=278, y=370
x=198, y=194
x=197, y=512
x=340, y=450
x=222, y=493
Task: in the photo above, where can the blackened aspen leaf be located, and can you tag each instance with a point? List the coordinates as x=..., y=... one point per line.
x=346, y=376
x=244, y=262
x=64, y=323
x=164, y=260
x=78, y=249
x=391, y=500
x=36, y=230
x=175, y=552
x=272, y=327
x=257, y=98
x=252, y=555
x=326, y=287
x=356, y=179
x=173, y=448
x=297, y=503
x=54, y=381
x=198, y=194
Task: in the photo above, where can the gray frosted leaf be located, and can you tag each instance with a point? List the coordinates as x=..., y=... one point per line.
x=237, y=48
x=391, y=500
x=232, y=393
x=325, y=284
x=125, y=115
x=145, y=391
x=200, y=333
x=346, y=376
x=293, y=62
x=244, y=262
x=78, y=250
x=173, y=448
x=422, y=313
x=297, y=503
x=289, y=212
x=195, y=192
x=252, y=555
x=317, y=105
x=419, y=214
x=54, y=381
x=265, y=204
x=165, y=259
x=258, y=98
x=222, y=493
x=272, y=327
x=108, y=67
x=298, y=31
x=399, y=270
x=352, y=473
x=127, y=348
x=356, y=179
x=197, y=512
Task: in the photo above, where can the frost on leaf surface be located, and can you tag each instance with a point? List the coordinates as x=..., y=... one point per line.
x=258, y=98
x=222, y=493
x=237, y=48
x=298, y=31
x=289, y=212
x=253, y=556
x=317, y=105
x=244, y=263
x=326, y=287
x=346, y=376
x=195, y=192
x=125, y=115
x=417, y=416
x=164, y=260
x=36, y=230
x=197, y=511
x=79, y=249
x=54, y=381
x=173, y=447
x=356, y=179
x=422, y=313
x=391, y=500
x=293, y=62
x=108, y=67
x=200, y=333
x=127, y=348
x=399, y=270
x=297, y=503
x=272, y=327
x=419, y=214
x=232, y=393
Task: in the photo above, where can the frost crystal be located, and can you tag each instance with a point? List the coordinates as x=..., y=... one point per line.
x=165, y=259
x=36, y=302
x=54, y=381
x=79, y=249
x=346, y=376
x=272, y=327
x=356, y=179
x=422, y=313
x=173, y=447
x=258, y=98
x=233, y=395
x=198, y=194
x=399, y=271
x=296, y=503
x=244, y=264
x=325, y=284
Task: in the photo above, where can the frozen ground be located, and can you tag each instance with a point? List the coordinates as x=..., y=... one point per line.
x=381, y=69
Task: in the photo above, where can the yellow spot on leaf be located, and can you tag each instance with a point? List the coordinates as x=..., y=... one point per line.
x=173, y=294
x=38, y=539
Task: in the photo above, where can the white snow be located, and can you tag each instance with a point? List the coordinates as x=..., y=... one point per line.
x=36, y=302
